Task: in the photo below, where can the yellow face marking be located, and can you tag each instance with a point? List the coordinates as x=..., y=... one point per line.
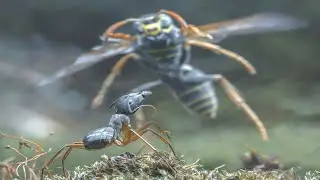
x=155, y=28
x=168, y=29
x=152, y=29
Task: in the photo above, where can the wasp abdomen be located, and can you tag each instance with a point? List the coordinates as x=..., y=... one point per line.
x=99, y=138
x=199, y=98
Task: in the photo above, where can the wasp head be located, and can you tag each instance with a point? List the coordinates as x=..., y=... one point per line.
x=154, y=24
x=130, y=103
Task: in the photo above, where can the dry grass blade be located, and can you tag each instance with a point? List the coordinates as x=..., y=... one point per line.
x=14, y=168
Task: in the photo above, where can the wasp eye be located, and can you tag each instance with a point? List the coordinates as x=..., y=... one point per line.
x=166, y=20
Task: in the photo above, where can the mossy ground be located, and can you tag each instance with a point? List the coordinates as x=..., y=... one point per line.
x=164, y=166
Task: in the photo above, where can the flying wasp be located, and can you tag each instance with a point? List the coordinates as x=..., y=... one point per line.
x=160, y=44
x=163, y=45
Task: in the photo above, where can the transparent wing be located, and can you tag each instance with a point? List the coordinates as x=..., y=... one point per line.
x=254, y=24
x=25, y=75
x=88, y=59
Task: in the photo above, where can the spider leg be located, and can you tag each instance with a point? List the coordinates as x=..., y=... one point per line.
x=66, y=154
x=138, y=136
x=135, y=135
x=152, y=123
x=77, y=145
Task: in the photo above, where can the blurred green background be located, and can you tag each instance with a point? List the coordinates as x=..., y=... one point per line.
x=42, y=36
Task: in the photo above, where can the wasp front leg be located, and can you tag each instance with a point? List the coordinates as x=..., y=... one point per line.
x=116, y=70
x=110, y=32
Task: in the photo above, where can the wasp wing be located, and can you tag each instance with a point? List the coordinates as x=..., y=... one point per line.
x=254, y=24
x=88, y=59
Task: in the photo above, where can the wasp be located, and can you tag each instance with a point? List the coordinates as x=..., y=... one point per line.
x=162, y=42
x=119, y=131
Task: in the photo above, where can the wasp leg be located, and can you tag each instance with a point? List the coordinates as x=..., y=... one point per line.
x=77, y=145
x=116, y=70
x=219, y=50
x=110, y=31
x=234, y=96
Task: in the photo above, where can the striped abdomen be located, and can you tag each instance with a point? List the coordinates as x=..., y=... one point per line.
x=162, y=53
x=199, y=98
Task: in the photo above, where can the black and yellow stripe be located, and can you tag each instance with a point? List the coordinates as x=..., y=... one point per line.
x=164, y=54
x=200, y=98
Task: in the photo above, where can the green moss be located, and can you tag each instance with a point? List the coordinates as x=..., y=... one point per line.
x=166, y=166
